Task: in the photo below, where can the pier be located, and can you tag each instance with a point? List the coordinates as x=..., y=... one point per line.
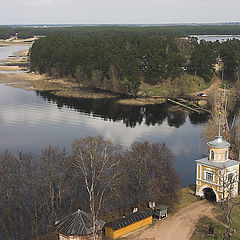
x=188, y=105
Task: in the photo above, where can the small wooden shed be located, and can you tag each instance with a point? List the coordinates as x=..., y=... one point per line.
x=78, y=226
x=160, y=212
x=130, y=223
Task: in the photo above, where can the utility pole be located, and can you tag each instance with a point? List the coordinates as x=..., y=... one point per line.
x=222, y=72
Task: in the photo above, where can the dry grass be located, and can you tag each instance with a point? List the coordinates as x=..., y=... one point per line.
x=141, y=101
x=19, y=77
x=68, y=88
x=7, y=43
x=83, y=94
x=59, y=87
x=186, y=196
x=9, y=68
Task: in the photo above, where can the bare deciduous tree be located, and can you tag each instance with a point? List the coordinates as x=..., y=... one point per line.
x=153, y=175
x=97, y=162
x=34, y=185
x=7, y=180
x=53, y=168
x=228, y=202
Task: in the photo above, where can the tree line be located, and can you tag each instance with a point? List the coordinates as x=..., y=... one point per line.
x=226, y=54
x=98, y=177
x=173, y=30
x=119, y=63
x=115, y=63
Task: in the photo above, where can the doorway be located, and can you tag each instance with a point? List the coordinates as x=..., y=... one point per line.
x=209, y=194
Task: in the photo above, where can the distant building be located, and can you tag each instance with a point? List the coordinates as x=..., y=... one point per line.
x=217, y=171
x=130, y=223
x=78, y=226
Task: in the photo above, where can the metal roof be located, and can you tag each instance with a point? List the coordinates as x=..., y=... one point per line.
x=77, y=223
x=160, y=210
x=132, y=218
x=162, y=207
x=226, y=164
x=218, y=142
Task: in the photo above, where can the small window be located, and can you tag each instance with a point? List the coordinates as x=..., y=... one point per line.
x=212, y=154
x=230, y=177
x=226, y=155
x=209, y=176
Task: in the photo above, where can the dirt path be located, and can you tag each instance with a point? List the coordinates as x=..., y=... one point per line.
x=179, y=226
x=215, y=85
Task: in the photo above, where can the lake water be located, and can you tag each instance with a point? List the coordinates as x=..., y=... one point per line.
x=30, y=120
x=213, y=38
x=6, y=51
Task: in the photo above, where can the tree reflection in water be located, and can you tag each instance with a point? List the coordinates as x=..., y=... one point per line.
x=131, y=116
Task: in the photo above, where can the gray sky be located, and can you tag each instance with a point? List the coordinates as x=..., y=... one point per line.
x=118, y=11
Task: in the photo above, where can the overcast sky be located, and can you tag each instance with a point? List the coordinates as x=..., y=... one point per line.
x=118, y=11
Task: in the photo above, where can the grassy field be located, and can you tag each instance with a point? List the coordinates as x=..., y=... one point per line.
x=186, y=196
x=185, y=84
x=202, y=230
x=236, y=223
x=202, y=227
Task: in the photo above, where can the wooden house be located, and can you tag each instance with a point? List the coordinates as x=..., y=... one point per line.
x=78, y=226
x=130, y=223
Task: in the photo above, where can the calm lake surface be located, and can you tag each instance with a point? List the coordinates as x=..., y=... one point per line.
x=213, y=38
x=30, y=121
x=6, y=51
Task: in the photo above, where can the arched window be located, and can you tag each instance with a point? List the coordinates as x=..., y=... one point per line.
x=212, y=154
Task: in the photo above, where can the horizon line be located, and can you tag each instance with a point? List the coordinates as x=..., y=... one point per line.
x=124, y=24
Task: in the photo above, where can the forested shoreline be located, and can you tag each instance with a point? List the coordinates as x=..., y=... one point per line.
x=110, y=63
x=37, y=190
x=168, y=30
x=119, y=59
x=120, y=63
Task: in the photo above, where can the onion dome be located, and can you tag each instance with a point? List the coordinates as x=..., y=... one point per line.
x=218, y=142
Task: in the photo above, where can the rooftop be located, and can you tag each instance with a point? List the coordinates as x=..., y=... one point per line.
x=226, y=164
x=218, y=142
x=78, y=223
x=132, y=218
x=162, y=207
